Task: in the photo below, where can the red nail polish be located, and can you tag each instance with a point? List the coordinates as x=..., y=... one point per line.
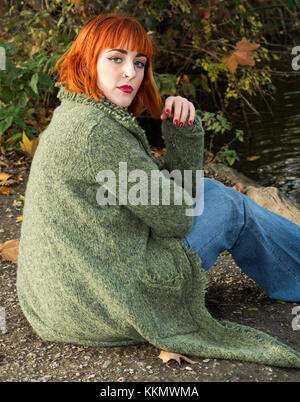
x=190, y=122
x=176, y=122
x=167, y=111
x=181, y=124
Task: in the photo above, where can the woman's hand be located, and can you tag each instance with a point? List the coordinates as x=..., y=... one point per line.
x=181, y=110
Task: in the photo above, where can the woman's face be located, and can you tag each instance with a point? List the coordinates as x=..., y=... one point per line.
x=120, y=73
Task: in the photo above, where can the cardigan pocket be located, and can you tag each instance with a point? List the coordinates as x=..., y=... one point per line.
x=162, y=269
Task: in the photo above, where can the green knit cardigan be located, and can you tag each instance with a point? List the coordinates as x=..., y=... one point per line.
x=118, y=274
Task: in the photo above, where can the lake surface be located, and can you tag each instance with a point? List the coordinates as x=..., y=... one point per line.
x=274, y=137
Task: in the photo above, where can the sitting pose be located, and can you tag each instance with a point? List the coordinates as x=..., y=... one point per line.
x=112, y=249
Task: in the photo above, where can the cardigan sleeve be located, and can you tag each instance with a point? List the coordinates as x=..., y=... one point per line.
x=184, y=148
x=128, y=176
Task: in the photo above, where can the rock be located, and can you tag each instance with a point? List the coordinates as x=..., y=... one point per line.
x=268, y=197
x=273, y=200
x=227, y=174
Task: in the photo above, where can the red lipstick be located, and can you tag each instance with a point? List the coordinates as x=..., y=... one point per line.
x=125, y=88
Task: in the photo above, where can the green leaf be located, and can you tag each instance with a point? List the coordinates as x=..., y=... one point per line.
x=239, y=134
x=33, y=83
x=5, y=124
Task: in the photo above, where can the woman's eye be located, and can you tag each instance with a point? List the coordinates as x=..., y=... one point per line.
x=115, y=59
x=140, y=64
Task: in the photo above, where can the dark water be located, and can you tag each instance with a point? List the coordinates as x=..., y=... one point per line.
x=274, y=136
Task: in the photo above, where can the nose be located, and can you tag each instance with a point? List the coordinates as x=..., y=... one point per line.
x=129, y=69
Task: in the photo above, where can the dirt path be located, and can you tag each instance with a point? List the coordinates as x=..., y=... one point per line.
x=231, y=295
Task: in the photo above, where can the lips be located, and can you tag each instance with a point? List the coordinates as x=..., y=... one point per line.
x=125, y=88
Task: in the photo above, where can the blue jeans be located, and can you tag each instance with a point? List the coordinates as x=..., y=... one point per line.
x=264, y=245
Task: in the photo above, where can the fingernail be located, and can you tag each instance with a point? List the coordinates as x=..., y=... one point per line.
x=180, y=124
x=176, y=122
x=167, y=111
x=191, y=122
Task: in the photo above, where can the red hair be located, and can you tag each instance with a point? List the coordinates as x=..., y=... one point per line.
x=109, y=31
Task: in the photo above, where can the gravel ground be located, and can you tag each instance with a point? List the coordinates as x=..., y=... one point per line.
x=231, y=295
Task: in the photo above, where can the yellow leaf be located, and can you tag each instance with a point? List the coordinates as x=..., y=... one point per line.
x=5, y=176
x=9, y=250
x=281, y=301
x=252, y=309
x=20, y=218
x=166, y=356
x=29, y=146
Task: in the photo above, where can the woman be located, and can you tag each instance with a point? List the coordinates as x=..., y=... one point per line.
x=99, y=264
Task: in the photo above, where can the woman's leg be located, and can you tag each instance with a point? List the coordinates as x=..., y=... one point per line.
x=265, y=245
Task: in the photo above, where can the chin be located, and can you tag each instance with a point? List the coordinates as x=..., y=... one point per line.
x=124, y=103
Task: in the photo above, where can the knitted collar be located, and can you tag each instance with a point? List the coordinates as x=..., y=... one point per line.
x=118, y=113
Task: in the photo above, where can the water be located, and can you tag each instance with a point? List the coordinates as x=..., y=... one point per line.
x=274, y=137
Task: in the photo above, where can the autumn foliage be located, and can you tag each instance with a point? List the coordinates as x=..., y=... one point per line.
x=241, y=56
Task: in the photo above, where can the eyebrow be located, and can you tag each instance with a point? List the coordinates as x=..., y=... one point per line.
x=125, y=52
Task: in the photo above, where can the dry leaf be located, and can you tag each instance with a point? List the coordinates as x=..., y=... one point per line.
x=253, y=158
x=5, y=176
x=166, y=356
x=28, y=145
x=252, y=309
x=5, y=190
x=242, y=56
x=281, y=301
x=9, y=250
x=10, y=179
x=246, y=46
x=237, y=188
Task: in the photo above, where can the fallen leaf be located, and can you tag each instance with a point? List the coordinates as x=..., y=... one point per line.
x=253, y=158
x=237, y=188
x=20, y=218
x=29, y=146
x=5, y=190
x=166, y=356
x=9, y=250
x=252, y=309
x=12, y=179
x=281, y=301
x=5, y=176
